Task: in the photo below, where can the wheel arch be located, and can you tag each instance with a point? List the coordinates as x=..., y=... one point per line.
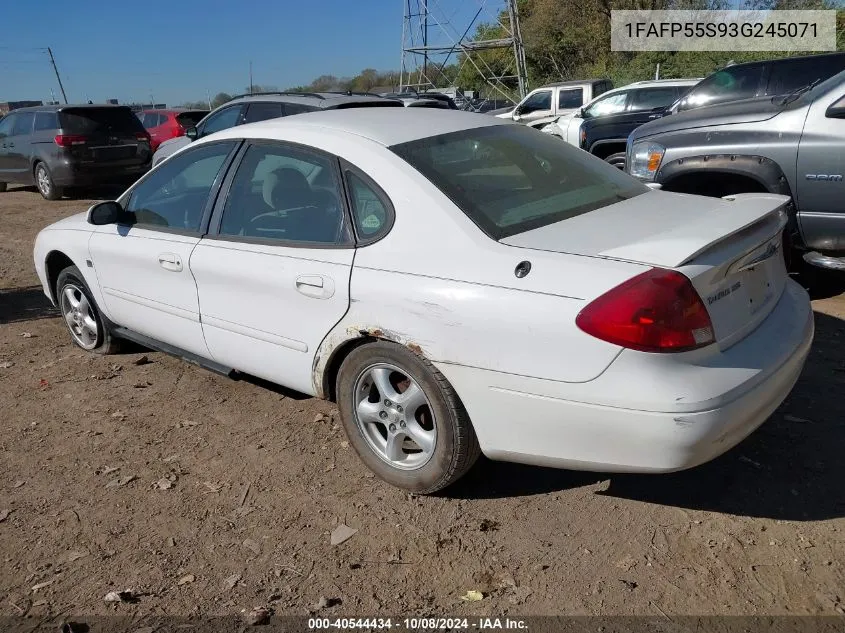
x=54, y=263
x=338, y=345
x=762, y=173
x=606, y=147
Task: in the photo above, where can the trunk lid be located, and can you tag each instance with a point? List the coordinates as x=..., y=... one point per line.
x=113, y=135
x=729, y=248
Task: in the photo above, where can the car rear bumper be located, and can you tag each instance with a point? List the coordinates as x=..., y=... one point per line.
x=69, y=174
x=689, y=421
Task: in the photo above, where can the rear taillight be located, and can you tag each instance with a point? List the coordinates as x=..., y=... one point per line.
x=657, y=311
x=69, y=140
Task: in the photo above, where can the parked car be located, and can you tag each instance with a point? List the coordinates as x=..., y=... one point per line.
x=548, y=102
x=56, y=147
x=758, y=79
x=572, y=316
x=490, y=106
x=439, y=96
x=420, y=102
x=790, y=145
x=602, y=127
x=163, y=125
x=268, y=105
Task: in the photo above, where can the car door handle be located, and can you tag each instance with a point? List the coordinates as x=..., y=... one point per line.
x=315, y=286
x=170, y=261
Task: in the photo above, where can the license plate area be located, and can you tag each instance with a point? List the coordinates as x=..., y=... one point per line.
x=759, y=287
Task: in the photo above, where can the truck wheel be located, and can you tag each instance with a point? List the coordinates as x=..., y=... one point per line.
x=617, y=160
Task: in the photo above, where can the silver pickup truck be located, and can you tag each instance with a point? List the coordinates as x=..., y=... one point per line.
x=792, y=144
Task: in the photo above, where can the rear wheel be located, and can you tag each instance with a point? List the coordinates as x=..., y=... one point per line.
x=45, y=184
x=617, y=160
x=404, y=419
x=81, y=315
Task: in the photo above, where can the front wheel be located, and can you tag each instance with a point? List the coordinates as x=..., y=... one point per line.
x=404, y=419
x=83, y=320
x=617, y=160
x=45, y=184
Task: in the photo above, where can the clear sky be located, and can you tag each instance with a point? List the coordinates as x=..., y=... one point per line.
x=177, y=51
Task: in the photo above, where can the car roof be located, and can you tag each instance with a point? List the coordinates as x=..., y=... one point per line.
x=649, y=83
x=781, y=60
x=64, y=106
x=172, y=110
x=579, y=82
x=317, y=99
x=386, y=126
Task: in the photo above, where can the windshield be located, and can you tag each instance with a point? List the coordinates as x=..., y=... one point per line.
x=510, y=179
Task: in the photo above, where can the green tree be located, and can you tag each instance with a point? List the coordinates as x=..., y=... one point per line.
x=220, y=98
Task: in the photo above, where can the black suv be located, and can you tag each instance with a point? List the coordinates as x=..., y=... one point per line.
x=61, y=146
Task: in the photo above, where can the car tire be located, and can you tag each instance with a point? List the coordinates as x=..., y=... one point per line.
x=617, y=160
x=44, y=183
x=2, y=187
x=382, y=418
x=81, y=314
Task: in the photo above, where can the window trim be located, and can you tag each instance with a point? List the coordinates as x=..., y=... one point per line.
x=390, y=210
x=213, y=193
x=216, y=219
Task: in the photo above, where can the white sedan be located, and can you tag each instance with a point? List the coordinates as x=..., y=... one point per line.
x=457, y=284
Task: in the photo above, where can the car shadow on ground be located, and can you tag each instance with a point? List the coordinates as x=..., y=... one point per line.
x=25, y=304
x=791, y=468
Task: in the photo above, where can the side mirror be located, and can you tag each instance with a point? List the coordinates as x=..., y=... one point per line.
x=108, y=212
x=579, y=113
x=836, y=110
x=192, y=133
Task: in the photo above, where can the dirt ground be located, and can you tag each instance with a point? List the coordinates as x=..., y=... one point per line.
x=235, y=489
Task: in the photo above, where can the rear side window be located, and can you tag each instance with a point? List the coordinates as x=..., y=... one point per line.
x=298, y=108
x=7, y=124
x=93, y=121
x=262, y=112
x=190, y=119
x=569, y=99
x=731, y=84
x=508, y=179
x=651, y=98
x=23, y=125
x=46, y=121
x=370, y=207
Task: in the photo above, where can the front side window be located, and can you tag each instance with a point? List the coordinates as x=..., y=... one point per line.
x=286, y=194
x=570, y=99
x=46, y=121
x=262, y=112
x=537, y=102
x=508, y=179
x=223, y=120
x=7, y=124
x=731, y=84
x=175, y=195
x=652, y=98
x=23, y=125
x=611, y=104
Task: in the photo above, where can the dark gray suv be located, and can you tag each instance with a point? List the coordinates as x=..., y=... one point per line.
x=58, y=147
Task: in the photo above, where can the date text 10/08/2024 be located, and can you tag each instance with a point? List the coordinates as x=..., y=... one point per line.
x=415, y=624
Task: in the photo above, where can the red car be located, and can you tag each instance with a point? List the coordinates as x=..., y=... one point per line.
x=164, y=125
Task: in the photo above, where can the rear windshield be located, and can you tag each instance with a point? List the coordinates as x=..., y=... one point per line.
x=510, y=179
x=90, y=121
x=190, y=119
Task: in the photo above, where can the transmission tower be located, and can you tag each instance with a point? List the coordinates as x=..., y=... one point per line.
x=436, y=33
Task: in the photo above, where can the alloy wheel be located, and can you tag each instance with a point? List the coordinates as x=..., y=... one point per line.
x=79, y=316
